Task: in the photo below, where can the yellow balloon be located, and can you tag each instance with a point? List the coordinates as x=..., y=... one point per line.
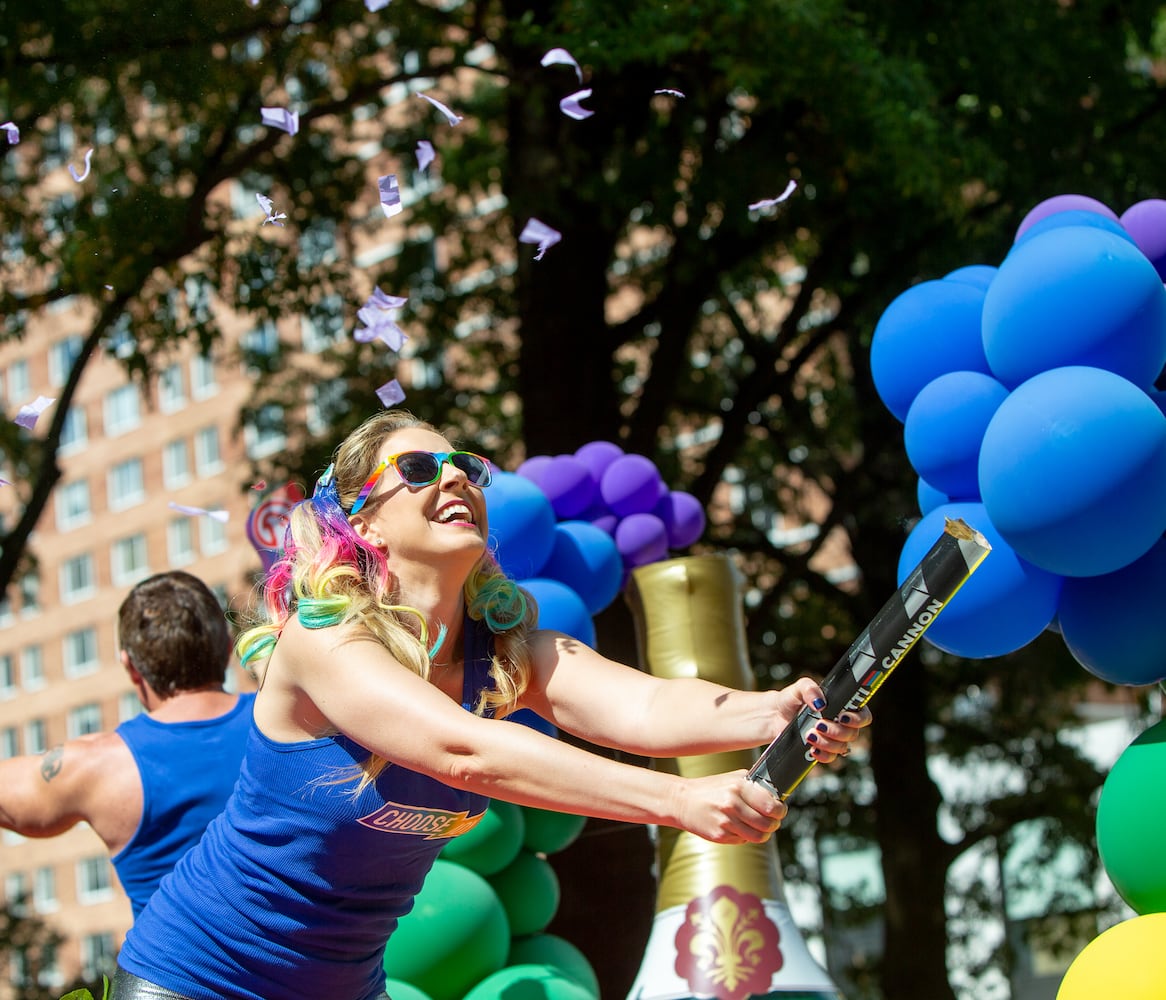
x=1126, y=961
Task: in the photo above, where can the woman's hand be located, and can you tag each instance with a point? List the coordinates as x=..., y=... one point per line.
x=728, y=809
x=827, y=739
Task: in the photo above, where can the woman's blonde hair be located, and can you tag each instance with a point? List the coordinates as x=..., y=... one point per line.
x=328, y=574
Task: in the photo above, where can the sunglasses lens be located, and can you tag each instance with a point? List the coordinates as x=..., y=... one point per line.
x=475, y=467
x=418, y=468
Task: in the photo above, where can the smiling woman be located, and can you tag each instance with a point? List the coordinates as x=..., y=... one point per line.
x=391, y=647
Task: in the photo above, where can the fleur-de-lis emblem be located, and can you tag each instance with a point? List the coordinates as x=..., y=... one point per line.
x=727, y=947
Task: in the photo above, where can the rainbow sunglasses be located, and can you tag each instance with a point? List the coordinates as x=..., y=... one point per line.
x=421, y=468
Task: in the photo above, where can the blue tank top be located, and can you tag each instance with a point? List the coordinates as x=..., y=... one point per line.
x=187, y=769
x=295, y=888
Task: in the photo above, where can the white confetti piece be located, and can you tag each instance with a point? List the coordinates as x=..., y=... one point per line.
x=571, y=107
x=561, y=57
x=265, y=203
x=450, y=117
x=289, y=121
x=390, y=195
x=770, y=202
x=12, y=131
x=669, y=91
x=222, y=516
x=375, y=5
x=88, y=163
x=28, y=414
x=425, y=154
x=542, y=234
x=391, y=393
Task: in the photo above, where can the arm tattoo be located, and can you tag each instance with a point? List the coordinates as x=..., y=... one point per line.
x=50, y=767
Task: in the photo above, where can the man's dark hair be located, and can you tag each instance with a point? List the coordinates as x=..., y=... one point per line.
x=175, y=633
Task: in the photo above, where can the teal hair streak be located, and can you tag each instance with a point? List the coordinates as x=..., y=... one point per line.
x=500, y=603
x=321, y=612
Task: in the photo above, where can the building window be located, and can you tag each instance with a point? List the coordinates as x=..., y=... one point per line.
x=6, y=615
x=78, y=580
x=265, y=433
x=73, y=506
x=16, y=894
x=323, y=326
x=36, y=736
x=29, y=593
x=180, y=542
x=260, y=345
x=9, y=742
x=212, y=536
x=175, y=464
x=98, y=956
x=62, y=355
x=94, y=884
x=84, y=720
x=203, y=383
x=171, y=391
x=81, y=653
x=327, y=402
x=19, y=383
x=7, y=677
x=32, y=668
x=74, y=431
x=129, y=705
x=44, y=889
x=126, y=484
x=129, y=560
x=208, y=460
x=122, y=410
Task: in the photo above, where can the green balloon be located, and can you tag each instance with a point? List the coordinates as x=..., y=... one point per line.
x=529, y=890
x=398, y=989
x=456, y=934
x=529, y=982
x=1131, y=818
x=556, y=952
x=493, y=843
x=548, y=832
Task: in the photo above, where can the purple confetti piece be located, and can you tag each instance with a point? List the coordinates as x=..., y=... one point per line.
x=88, y=163
x=28, y=414
x=571, y=107
x=13, y=132
x=383, y=300
x=390, y=195
x=265, y=203
x=391, y=393
x=375, y=5
x=289, y=121
x=222, y=516
x=542, y=234
x=449, y=115
x=378, y=325
x=425, y=154
x=669, y=91
x=770, y=202
x=561, y=57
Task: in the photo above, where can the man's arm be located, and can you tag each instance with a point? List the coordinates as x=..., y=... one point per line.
x=92, y=779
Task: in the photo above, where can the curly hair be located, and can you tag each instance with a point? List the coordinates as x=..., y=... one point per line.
x=329, y=574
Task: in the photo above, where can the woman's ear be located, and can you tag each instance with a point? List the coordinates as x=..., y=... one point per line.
x=366, y=532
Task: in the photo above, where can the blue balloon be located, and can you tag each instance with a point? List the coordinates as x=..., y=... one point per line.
x=1075, y=296
x=561, y=609
x=522, y=524
x=930, y=329
x=929, y=497
x=944, y=428
x=1114, y=624
x=1005, y=604
x=1073, y=471
x=980, y=275
x=1075, y=217
x=586, y=559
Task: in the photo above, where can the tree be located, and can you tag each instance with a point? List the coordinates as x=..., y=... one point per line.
x=918, y=134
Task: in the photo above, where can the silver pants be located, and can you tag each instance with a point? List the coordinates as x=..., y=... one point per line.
x=127, y=986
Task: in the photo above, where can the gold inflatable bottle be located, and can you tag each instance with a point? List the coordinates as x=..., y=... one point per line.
x=722, y=928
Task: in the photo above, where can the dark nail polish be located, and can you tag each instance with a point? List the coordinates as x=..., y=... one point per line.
x=844, y=719
x=821, y=727
x=819, y=704
x=813, y=737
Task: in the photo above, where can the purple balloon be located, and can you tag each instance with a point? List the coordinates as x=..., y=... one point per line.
x=641, y=539
x=569, y=485
x=631, y=485
x=598, y=455
x=1064, y=203
x=534, y=467
x=1145, y=221
x=683, y=518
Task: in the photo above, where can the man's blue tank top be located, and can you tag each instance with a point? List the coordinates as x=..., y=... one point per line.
x=295, y=888
x=187, y=769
